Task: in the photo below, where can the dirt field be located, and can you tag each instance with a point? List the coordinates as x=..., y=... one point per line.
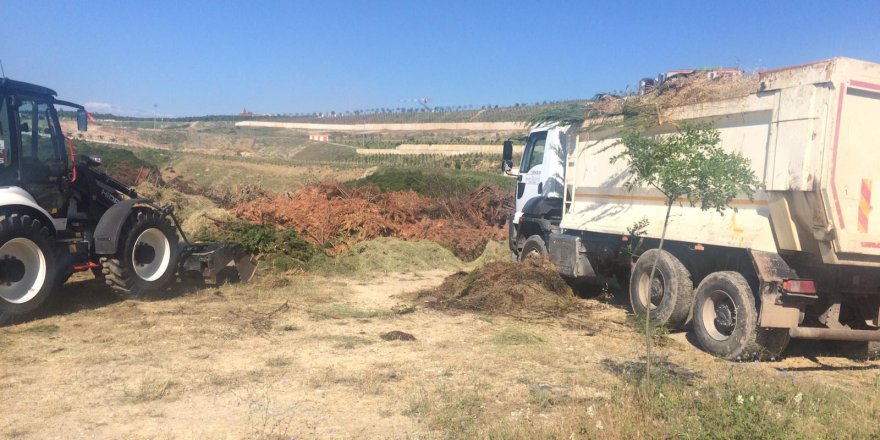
x=302, y=357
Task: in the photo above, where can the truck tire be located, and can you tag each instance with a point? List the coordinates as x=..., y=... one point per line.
x=534, y=245
x=726, y=320
x=671, y=292
x=27, y=266
x=147, y=255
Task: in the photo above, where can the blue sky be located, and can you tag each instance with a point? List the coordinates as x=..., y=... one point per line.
x=197, y=58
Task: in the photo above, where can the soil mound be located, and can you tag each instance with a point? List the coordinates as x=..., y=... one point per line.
x=529, y=289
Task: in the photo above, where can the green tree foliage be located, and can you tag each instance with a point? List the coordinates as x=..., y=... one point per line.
x=688, y=164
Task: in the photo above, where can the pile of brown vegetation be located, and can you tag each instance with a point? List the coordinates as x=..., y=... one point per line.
x=529, y=289
x=336, y=216
x=679, y=91
x=697, y=88
x=223, y=196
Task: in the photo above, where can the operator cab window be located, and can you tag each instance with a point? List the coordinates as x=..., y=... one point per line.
x=41, y=163
x=38, y=134
x=534, y=154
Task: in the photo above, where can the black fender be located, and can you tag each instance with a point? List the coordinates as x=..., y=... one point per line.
x=542, y=207
x=110, y=225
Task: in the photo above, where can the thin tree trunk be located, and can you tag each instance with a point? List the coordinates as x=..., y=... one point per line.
x=648, y=305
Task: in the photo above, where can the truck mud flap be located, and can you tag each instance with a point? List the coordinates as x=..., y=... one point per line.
x=569, y=256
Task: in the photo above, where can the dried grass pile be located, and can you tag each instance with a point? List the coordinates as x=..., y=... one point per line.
x=529, y=289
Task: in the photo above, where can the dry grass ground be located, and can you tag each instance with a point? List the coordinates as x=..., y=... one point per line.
x=218, y=172
x=302, y=357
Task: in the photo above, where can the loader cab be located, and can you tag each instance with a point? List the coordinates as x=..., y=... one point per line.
x=541, y=176
x=32, y=150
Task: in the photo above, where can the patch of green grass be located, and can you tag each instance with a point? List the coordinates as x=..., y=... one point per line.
x=386, y=255
x=515, y=336
x=282, y=248
x=659, y=332
x=495, y=251
x=433, y=183
x=223, y=381
x=148, y=389
x=112, y=158
x=348, y=342
x=45, y=329
x=325, y=152
x=419, y=406
x=468, y=282
x=542, y=396
x=457, y=416
x=735, y=401
x=346, y=311
x=278, y=362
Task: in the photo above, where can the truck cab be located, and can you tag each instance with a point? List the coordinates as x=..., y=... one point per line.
x=540, y=188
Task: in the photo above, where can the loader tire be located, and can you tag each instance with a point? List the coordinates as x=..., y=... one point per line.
x=147, y=256
x=670, y=293
x=726, y=321
x=534, y=246
x=27, y=266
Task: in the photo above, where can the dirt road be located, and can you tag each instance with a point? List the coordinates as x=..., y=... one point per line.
x=303, y=357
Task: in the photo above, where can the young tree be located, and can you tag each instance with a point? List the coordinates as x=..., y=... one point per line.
x=686, y=165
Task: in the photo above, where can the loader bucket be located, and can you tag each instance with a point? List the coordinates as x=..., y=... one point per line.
x=216, y=263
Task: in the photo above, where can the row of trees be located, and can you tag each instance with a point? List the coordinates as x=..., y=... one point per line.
x=465, y=111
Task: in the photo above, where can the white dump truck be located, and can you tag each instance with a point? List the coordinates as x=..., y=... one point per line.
x=801, y=259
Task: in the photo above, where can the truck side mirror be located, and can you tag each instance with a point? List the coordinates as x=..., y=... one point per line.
x=507, y=156
x=82, y=120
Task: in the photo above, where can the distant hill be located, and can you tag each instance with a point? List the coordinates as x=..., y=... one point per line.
x=400, y=115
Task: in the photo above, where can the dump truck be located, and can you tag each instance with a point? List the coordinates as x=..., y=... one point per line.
x=799, y=259
x=59, y=215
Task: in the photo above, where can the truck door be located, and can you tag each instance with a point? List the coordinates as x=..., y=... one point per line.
x=42, y=162
x=542, y=173
x=529, y=183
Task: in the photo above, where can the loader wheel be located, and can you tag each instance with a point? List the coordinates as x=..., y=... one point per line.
x=726, y=320
x=147, y=255
x=671, y=292
x=534, y=245
x=27, y=266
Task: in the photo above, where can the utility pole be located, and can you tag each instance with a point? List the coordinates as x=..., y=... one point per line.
x=155, y=114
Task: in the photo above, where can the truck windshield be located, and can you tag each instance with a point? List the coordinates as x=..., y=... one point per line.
x=534, y=154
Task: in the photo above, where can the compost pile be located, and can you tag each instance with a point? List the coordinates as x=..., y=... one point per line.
x=529, y=289
x=336, y=217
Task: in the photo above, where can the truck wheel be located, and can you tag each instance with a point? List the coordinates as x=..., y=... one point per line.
x=27, y=266
x=534, y=245
x=671, y=291
x=147, y=255
x=726, y=320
